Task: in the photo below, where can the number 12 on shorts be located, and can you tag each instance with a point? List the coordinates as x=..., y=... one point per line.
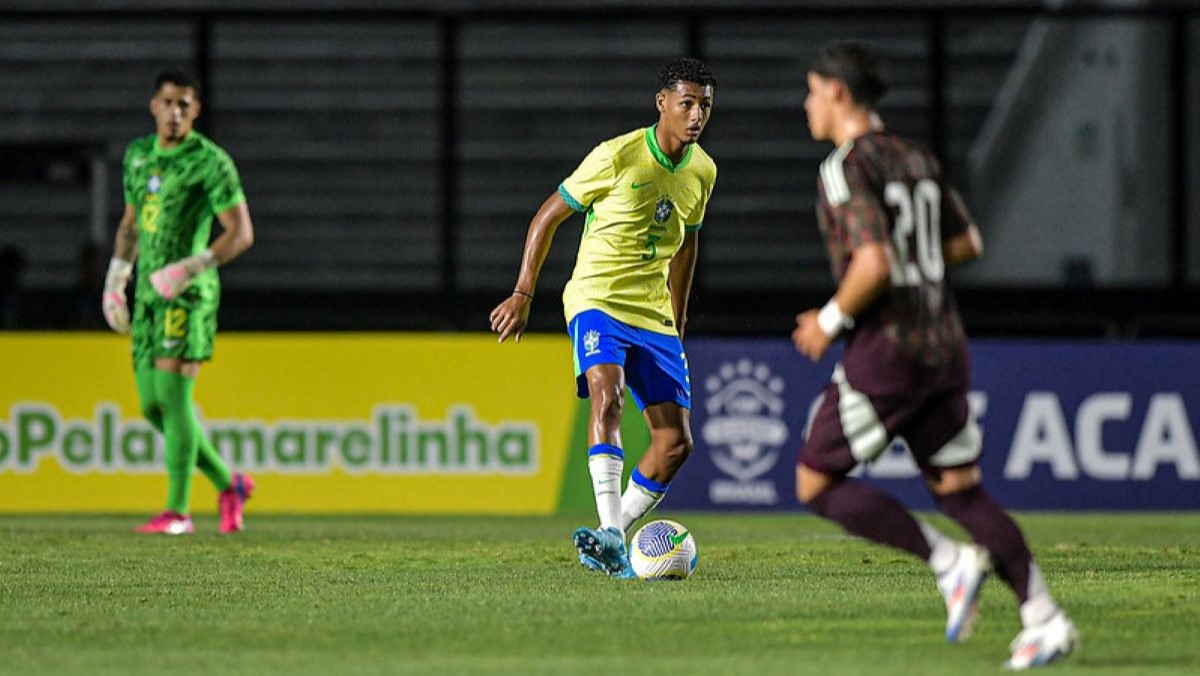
x=175, y=323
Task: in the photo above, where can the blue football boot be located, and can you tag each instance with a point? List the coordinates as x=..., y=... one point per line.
x=592, y=564
x=606, y=547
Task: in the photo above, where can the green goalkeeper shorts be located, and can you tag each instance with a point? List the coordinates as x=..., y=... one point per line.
x=184, y=328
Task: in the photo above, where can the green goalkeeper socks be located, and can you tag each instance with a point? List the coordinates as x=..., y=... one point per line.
x=167, y=404
x=148, y=393
x=180, y=429
x=211, y=463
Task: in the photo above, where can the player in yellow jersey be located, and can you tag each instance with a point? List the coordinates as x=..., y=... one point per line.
x=644, y=195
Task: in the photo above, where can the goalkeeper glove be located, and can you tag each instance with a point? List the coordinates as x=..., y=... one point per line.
x=172, y=279
x=116, y=311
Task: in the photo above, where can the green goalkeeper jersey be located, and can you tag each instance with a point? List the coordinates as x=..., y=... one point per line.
x=175, y=194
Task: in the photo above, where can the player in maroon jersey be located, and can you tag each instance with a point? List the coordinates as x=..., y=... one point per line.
x=893, y=226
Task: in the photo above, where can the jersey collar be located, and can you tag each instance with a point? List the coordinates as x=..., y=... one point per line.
x=185, y=141
x=652, y=143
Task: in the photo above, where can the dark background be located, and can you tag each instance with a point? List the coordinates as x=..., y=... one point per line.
x=393, y=153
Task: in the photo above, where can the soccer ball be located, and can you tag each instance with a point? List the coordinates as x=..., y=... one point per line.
x=663, y=550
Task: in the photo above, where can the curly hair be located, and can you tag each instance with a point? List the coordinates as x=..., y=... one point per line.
x=685, y=69
x=858, y=64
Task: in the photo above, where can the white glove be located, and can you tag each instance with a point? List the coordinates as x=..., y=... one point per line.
x=116, y=311
x=173, y=278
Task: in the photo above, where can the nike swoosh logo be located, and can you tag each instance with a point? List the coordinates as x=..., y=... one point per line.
x=635, y=185
x=678, y=539
x=170, y=343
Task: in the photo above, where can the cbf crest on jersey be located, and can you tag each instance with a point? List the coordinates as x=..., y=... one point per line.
x=662, y=210
x=154, y=184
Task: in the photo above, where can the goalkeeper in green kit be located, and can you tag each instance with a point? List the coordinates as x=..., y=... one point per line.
x=176, y=181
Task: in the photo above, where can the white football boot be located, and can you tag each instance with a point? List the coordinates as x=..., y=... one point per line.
x=960, y=587
x=1042, y=644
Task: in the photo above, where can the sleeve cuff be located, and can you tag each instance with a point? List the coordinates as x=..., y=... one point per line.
x=693, y=228
x=232, y=202
x=571, y=201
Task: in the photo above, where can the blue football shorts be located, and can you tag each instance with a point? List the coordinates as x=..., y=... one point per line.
x=655, y=365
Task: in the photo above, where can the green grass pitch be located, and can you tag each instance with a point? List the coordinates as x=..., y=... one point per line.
x=487, y=595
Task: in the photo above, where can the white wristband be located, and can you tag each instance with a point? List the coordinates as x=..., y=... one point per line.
x=832, y=320
x=118, y=274
x=209, y=259
x=200, y=262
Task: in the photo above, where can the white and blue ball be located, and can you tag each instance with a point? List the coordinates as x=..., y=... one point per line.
x=663, y=550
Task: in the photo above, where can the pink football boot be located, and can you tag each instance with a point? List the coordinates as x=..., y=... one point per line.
x=233, y=500
x=170, y=523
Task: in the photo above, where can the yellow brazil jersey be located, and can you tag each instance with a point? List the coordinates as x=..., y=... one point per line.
x=638, y=204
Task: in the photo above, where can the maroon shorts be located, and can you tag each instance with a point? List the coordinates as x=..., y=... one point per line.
x=879, y=393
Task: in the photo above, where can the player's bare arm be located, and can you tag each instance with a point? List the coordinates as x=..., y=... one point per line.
x=868, y=276
x=238, y=234
x=682, y=271
x=113, y=304
x=963, y=248
x=125, y=246
x=510, y=317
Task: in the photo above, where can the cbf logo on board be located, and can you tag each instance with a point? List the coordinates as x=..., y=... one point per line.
x=745, y=431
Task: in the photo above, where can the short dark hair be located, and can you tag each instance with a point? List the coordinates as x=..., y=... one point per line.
x=177, y=77
x=685, y=69
x=858, y=64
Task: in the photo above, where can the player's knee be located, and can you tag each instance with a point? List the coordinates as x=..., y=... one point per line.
x=607, y=407
x=956, y=480
x=810, y=484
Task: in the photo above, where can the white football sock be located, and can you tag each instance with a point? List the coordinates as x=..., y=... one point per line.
x=943, y=551
x=1040, y=607
x=636, y=503
x=606, y=484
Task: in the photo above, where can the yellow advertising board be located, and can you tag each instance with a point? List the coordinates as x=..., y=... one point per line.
x=324, y=422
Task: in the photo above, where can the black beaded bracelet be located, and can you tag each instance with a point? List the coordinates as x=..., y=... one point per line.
x=527, y=295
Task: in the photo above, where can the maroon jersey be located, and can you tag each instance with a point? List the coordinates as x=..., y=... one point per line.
x=883, y=188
